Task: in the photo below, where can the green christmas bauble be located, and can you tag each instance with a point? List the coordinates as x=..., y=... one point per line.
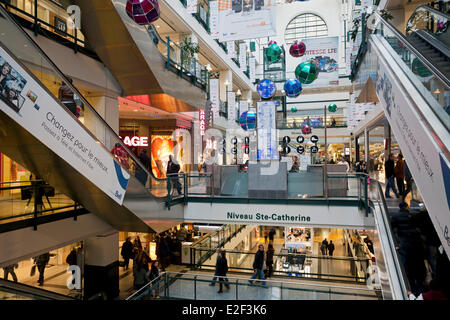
x=293, y=109
x=332, y=108
x=306, y=72
x=273, y=53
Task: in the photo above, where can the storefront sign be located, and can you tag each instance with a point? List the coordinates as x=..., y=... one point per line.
x=47, y=120
x=427, y=163
x=136, y=141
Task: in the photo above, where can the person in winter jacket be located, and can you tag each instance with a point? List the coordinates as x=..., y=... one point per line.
x=222, y=269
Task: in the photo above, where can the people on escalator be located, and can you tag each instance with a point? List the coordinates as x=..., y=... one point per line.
x=172, y=171
x=10, y=270
x=141, y=175
x=152, y=275
x=140, y=270
x=213, y=283
x=389, y=174
x=66, y=96
x=164, y=252
x=400, y=175
x=331, y=248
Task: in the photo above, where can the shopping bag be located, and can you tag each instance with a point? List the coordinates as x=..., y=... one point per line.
x=33, y=270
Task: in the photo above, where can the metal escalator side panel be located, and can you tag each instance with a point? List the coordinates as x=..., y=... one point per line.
x=31, y=292
x=421, y=135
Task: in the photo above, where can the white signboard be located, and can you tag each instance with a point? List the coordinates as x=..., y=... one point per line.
x=246, y=19
x=36, y=110
x=191, y=6
x=231, y=49
x=243, y=106
x=243, y=56
x=267, y=133
x=252, y=69
x=214, y=96
x=214, y=19
x=325, y=53
x=427, y=163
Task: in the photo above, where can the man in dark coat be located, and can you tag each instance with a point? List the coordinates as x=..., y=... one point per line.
x=389, y=173
x=127, y=252
x=41, y=261
x=258, y=265
x=172, y=171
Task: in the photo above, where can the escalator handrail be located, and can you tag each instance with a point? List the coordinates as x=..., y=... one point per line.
x=416, y=52
x=62, y=76
x=400, y=270
x=26, y=290
x=434, y=42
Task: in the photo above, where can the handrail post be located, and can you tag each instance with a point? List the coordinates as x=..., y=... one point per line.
x=35, y=27
x=168, y=53
x=35, y=206
x=366, y=196
x=169, y=191
x=237, y=290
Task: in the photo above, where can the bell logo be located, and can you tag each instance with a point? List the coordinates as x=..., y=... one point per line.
x=74, y=281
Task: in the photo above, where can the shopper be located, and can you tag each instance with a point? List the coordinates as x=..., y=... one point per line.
x=324, y=247
x=331, y=248
x=172, y=171
x=152, y=275
x=164, y=252
x=269, y=260
x=141, y=175
x=137, y=245
x=389, y=173
x=127, y=252
x=217, y=263
x=41, y=262
x=222, y=269
x=10, y=270
x=400, y=175
x=344, y=162
x=140, y=269
x=271, y=235
x=258, y=265
x=66, y=96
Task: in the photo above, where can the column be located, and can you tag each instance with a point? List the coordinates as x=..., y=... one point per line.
x=225, y=77
x=101, y=269
x=387, y=138
x=366, y=146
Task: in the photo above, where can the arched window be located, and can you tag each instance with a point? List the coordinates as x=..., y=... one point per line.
x=306, y=25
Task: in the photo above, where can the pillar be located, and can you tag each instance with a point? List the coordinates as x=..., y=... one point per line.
x=387, y=137
x=224, y=77
x=366, y=146
x=101, y=269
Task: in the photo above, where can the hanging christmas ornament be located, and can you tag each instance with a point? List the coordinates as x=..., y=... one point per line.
x=273, y=53
x=247, y=120
x=266, y=89
x=297, y=49
x=292, y=88
x=332, y=107
x=306, y=72
x=143, y=11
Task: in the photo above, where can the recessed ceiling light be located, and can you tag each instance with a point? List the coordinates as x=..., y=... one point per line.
x=158, y=26
x=135, y=110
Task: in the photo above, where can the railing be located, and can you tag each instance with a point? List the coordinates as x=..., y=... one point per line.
x=191, y=286
x=10, y=290
x=306, y=266
x=20, y=200
x=301, y=186
x=15, y=40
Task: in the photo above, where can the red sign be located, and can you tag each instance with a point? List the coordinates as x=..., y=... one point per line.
x=202, y=122
x=136, y=141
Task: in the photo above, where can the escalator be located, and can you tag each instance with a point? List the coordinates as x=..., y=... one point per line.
x=413, y=88
x=80, y=155
x=10, y=290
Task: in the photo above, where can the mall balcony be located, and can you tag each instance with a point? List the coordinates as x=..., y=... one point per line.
x=143, y=63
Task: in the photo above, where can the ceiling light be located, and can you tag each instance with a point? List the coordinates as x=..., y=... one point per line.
x=135, y=110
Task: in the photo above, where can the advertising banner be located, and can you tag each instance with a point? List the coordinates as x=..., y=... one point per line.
x=24, y=100
x=243, y=106
x=214, y=96
x=325, y=51
x=267, y=133
x=214, y=19
x=252, y=69
x=231, y=107
x=191, y=6
x=243, y=56
x=246, y=19
x=427, y=163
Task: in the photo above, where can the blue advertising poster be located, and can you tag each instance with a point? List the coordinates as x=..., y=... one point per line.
x=267, y=132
